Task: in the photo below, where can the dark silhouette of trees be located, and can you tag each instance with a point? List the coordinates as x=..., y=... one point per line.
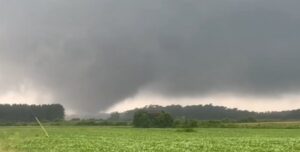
x=145, y=119
x=26, y=113
x=163, y=120
x=210, y=112
x=115, y=116
x=141, y=119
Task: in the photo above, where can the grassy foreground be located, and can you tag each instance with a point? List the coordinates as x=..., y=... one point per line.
x=106, y=139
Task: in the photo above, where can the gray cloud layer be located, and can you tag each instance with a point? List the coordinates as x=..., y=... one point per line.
x=93, y=54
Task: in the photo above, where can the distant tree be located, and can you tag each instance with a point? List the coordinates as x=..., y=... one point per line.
x=163, y=120
x=141, y=119
x=115, y=116
x=146, y=119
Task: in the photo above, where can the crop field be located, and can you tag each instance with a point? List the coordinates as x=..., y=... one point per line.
x=126, y=139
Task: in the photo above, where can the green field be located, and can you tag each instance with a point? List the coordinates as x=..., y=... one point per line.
x=122, y=139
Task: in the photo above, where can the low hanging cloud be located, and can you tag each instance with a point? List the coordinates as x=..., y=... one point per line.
x=90, y=55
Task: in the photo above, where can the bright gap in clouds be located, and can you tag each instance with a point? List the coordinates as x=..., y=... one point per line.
x=262, y=104
x=25, y=97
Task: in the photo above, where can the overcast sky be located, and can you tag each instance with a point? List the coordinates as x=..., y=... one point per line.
x=106, y=55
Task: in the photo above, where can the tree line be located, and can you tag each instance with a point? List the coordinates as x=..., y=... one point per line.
x=211, y=112
x=27, y=113
x=145, y=119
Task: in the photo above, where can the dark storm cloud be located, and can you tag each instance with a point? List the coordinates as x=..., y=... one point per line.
x=93, y=54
